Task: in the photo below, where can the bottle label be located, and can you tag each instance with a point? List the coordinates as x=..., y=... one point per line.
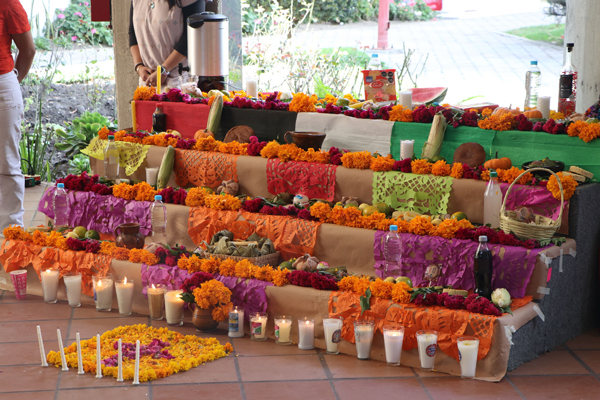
x=234, y=325
x=459, y=356
x=277, y=331
x=337, y=336
x=430, y=350
x=256, y=328
x=566, y=86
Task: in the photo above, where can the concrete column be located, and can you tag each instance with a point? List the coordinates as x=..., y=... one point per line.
x=215, y=6
x=126, y=80
x=582, y=29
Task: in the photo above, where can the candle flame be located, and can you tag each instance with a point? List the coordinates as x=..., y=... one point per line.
x=125, y=281
x=49, y=270
x=153, y=287
x=100, y=282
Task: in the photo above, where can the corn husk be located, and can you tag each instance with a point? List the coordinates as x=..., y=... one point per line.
x=433, y=145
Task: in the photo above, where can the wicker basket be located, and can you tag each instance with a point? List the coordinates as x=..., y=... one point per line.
x=542, y=228
x=270, y=259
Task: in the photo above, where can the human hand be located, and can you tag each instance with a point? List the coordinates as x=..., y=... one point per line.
x=144, y=72
x=151, y=80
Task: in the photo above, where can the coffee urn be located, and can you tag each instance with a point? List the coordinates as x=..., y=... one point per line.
x=208, y=49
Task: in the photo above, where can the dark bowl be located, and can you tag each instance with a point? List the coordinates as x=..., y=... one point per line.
x=557, y=167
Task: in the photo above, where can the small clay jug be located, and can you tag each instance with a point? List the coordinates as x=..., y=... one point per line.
x=306, y=140
x=203, y=320
x=130, y=236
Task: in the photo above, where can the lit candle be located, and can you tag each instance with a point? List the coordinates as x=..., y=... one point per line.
x=158, y=79
x=283, y=328
x=258, y=326
x=50, y=285
x=468, y=347
x=393, y=336
x=306, y=333
x=406, y=99
x=363, y=336
x=136, y=373
x=174, y=307
x=236, y=322
x=103, y=292
x=407, y=149
x=120, y=361
x=79, y=356
x=427, y=343
x=41, y=343
x=73, y=288
x=98, y=357
x=156, y=301
x=124, y=289
x=544, y=106
x=133, y=116
x=332, y=327
x=63, y=360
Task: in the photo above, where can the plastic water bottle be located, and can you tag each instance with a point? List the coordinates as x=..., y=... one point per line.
x=159, y=221
x=492, y=202
x=483, y=269
x=533, y=80
x=111, y=160
x=60, y=206
x=374, y=64
x=392, y=252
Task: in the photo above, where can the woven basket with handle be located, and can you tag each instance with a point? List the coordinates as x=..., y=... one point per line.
x=541, y=228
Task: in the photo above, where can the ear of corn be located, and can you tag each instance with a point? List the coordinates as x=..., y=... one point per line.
x=166, y=168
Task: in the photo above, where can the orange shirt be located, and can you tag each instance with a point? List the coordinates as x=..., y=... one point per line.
x=13, y=21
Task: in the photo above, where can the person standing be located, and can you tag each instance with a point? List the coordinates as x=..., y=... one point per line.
x=14, y=27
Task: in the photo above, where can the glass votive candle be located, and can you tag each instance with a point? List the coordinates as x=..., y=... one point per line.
x=50, y=285
x=258, y=326
x=103, y=291
x=236, y=322
x=124, y=288
x=306, y=333
x=73, y=289
x=427, y=343
x=283, y=330
x=393, y=336
x=156, y=301
x=468, y=348
x=363, y=335
x=174, y=307
x=332, y=326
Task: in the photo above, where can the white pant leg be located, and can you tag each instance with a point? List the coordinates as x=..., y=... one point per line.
x=12, y=183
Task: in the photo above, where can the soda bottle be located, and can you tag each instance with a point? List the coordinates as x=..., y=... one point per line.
x=159, y=221
x=492, y=201
x=60, y=205
x=533, y=80
x=111, y=160
x=392, y=252
x=374, y=64
x=567, y=93
x=159, y=119
x=484, y=268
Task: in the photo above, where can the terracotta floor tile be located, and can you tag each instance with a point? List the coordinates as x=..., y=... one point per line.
x=26, y=378
x=27, y=331
x=128, y=392
x=88, y=311
x=221, y=370
x=246, y=347
x=212, y=391
x=552, y=363
x=70, y=380
x=345, y=366
x=90, y=327
x=589, y=340
x=459, y=389
x=9, y=297
x=280, y=368
x=25, y=353
x=557, y=387
x=361, y=389
x=29, y=312
x=591, y=358
x=47, y=395
x=289, y=390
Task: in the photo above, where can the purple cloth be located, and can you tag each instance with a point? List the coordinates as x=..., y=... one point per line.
x=171, y=277
x=538, y=198
x=101, y=213
x=512, y=271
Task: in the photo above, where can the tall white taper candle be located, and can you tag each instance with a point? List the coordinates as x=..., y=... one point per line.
x=98, y=357
x=79, y=357
x=120, y=372
x=42, y=352
x=136, y=373
x=61, y=349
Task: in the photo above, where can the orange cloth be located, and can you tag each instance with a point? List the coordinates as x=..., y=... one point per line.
x=13, y=21
x=450, y=324
x=204, y=168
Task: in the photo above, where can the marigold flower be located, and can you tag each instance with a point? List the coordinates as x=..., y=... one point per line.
x=576, y=127
x=381, y=289
x=400, y=293
x=270, y=150
x=399, y=113
x=590, y=133
x=358, y=160
x=120, y=253
x=421, y=167
x=264, y=273
x=382, y=163
x=144, y=93
x=440, y=168
x=103, y=133
x=222, y=202
x=303, y=103
x=457, y=171
x=321, y=211
x=568, y=184
x=421, y=225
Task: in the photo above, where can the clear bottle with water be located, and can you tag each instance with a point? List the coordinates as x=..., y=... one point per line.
x=492, y=202
x=60, y=205
x=533, y=80
x=111, y=160
x=374, y=64
x=392, y=252
x=159, y=221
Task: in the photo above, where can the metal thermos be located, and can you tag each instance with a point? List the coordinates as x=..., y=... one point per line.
x=208, y=45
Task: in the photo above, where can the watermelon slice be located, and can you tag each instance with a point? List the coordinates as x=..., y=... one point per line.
x=428, y=95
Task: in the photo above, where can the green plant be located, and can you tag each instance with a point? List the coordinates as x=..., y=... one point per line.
x=79, y=164
x=75, y=23
x=34, y=149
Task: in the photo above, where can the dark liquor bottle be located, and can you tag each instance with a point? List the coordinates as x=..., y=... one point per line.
x=567, y=93
x=484, y=268
x=159, y=119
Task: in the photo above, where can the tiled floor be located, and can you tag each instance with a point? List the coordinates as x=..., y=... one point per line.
x=264, y=371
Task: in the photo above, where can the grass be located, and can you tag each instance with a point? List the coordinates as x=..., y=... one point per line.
x=553, y=33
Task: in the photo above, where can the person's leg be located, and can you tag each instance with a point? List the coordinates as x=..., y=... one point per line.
x=12, y=183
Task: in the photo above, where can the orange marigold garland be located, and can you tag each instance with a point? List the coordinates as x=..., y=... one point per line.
x=223, y=202
x=358, y=160
x=457, y=171
x=509, y=175
x=400, y=293
x=568, y=184
x=440, y=168
x=103, y=133
x=504, y=122
x=382, y=289
x=590, y=133
x=303, y=103
x=270, y=150
x=379, y=164
x=421, y=225
x=576, y=127
x=401, y=114
x=196, y=197
x=144, y=93
x=321, y=211
x=420, y=167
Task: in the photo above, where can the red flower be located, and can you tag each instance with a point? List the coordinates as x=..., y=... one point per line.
x=253, y=205
x=403, y=165
x=92, y=246
x=538, y=127
x=455, y=302
x=305, y=214
x=549, y=126
x=523, y=123
x=194, y=281
x=336, y=159
x=76, y=244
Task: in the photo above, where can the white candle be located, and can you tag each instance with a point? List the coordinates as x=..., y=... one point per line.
x=407, y=149
x=136, y=373
x=468, y=347
x=61, y=349
x=151, y=176
x=363, y=335
x=50, y=285
x=79, y=356
x=174, y=307
x=333, y=333
x=427, y=342
x=124, y=289
x=306, y=334
x=393, y=337
x=283, y=329
x=73, y=288
x=406, y=99
x=156, y=301
x=252, y=88
x=98, y=357
x=258, y=326
x=543, y=105
x=41, y=343
x=236, y=322
x=120, y=361
x=103, y=292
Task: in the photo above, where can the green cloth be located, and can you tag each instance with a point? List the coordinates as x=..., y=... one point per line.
x=520, y=147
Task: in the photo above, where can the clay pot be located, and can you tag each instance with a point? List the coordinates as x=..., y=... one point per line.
x=130, y=236
x=203, y=320
x=306, y=140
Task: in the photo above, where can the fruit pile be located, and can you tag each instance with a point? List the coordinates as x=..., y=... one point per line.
x=82, y=233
